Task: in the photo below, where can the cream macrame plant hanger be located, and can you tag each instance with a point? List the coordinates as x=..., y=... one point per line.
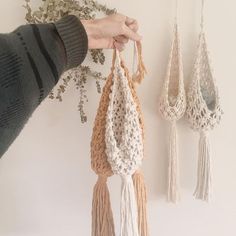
x=172, y=108
x=203, y=112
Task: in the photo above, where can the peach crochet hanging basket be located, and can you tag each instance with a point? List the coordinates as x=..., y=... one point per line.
x=172, y=108
x=102, y=221
x=203, y=112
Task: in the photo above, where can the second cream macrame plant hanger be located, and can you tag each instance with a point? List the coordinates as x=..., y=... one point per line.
x=116, y=149
x=172, y=108
x=203, y=111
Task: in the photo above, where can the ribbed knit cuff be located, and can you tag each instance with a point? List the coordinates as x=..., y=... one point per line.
x=75, y=39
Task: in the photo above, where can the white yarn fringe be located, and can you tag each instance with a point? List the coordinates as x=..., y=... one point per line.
x=173, y=170
x=204, y=181
x=129, y=212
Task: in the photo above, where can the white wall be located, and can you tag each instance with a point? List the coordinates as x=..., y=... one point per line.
x=45, y=177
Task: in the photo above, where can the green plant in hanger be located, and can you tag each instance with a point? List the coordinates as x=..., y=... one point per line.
x=53, y=10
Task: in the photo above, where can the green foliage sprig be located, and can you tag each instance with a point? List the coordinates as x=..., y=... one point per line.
x=53, y=10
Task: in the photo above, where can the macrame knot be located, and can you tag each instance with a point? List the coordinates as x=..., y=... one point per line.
x=173, y=124
x=204, y=134
x=138, y=172
x=102, y=178
x=126, y=178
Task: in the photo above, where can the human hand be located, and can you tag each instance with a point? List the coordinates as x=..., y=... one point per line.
x=113, y=31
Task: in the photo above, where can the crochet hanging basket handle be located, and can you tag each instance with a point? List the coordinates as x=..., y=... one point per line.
x=140, y=72
x=172, y=107
x=203, y=112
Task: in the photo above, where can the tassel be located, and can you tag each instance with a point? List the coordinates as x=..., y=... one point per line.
x=203, y=189
x=102, y=217
x=141, y=198
x=173, y=169
x=129, y=214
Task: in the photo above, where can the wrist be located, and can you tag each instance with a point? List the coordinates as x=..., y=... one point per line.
x=92, y=30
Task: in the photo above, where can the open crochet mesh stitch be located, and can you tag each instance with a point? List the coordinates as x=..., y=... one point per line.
x=173, y=99
x=124, y=144
x=203, y=110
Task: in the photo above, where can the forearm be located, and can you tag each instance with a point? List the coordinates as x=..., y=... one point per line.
x=32, y=59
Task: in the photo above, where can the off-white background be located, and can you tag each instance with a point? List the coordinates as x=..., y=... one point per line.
x=45, y=177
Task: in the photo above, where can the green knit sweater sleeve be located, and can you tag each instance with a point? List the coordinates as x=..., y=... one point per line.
x=32, y=59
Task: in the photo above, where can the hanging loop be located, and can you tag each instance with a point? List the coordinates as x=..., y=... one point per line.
x=138, y=75
x=140, y=71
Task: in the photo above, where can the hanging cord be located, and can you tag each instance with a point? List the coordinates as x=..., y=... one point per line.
x=202, y=14
x=115, y=51
x=134, y=57
x=176, y=19
x=118, y=57
x=176, y=11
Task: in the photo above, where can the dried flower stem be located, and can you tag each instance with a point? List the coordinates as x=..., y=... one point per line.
x=53, y=10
